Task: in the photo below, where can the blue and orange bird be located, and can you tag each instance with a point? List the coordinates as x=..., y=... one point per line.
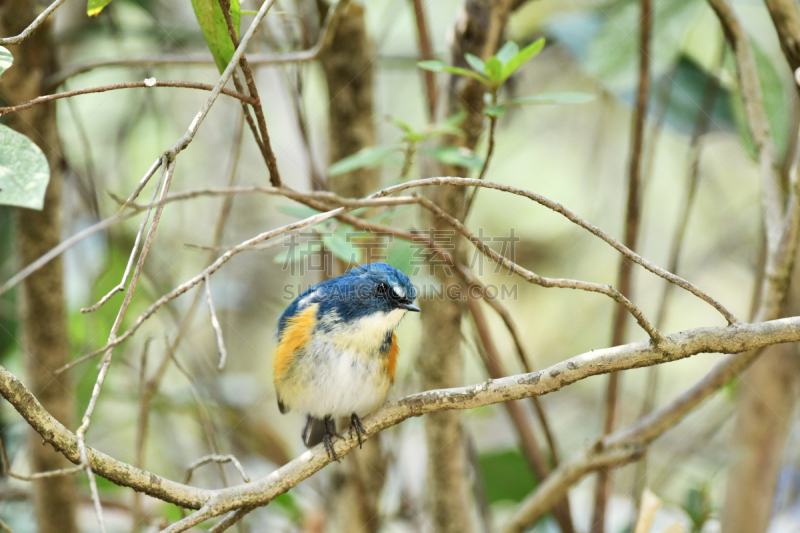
x=337, y=350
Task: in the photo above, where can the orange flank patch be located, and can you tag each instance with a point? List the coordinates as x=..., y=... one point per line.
x=295, y=336
x=391, y=360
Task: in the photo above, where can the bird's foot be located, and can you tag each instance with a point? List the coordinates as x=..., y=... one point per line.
x=330, y=431
x=358, y=427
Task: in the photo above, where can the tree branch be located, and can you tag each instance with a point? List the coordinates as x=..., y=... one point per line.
x=17, y=39
x=131, y=85
x=732, y=339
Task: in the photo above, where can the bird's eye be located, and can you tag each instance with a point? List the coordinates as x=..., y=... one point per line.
x=383, y=288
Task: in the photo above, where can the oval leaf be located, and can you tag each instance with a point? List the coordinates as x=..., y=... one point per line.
x=552, y=98
x=522, y=57
x=24, y=172
x=475, y=62
x=508, y=51
x=494, y=69
x=215, y=29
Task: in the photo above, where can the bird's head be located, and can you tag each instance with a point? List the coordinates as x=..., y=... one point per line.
x=372, y=288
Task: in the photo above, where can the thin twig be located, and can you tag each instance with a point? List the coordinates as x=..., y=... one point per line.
x=216, y=265
x=142, y=225
x=560, y=209
x=542, y=281
x=114, y=87
x=260, y=60
x=169, y=170
x=633, y=219
x=17, y=39
x=216, y=459
x=229, y=520
x=45, y=475
x=425, y=53
x=223, y=352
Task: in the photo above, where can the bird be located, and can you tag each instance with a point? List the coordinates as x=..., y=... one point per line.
x=337, y=350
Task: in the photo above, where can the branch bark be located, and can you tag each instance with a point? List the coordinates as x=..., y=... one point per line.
x=43, y=314
x=731, y=339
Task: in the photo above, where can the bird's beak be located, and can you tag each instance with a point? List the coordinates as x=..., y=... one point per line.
x=409, y=307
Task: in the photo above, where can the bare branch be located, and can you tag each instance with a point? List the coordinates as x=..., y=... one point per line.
x=17, y=39
x=261, y=60
x=560, y=209
x=216, y=265
x=733, y=339
x=757, y=122
x=115, y=86
x=532, y=277
x=223, y=352
x=786, y=18
x=43, y=475
x=216, y=459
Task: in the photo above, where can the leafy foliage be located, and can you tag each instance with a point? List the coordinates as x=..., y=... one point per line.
x=24, y=172
x=215, y=29
x=497, y=69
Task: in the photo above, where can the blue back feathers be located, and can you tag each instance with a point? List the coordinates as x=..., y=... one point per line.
x=361, y=291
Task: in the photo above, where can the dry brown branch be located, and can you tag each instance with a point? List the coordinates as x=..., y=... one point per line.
x=263, y=133
x=757, y=122
x=425, y=53
x=216, y=459
x=733, y=339
x=17, y=39
x=116, y=86
x=786, y=18
x=223, y=352
x=572, y=217
x=43, y=475
x=532, y=277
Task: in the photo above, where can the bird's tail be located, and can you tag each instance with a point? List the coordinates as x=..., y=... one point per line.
x=313, y=431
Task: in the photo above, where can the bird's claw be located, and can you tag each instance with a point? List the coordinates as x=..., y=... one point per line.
x=358, y=427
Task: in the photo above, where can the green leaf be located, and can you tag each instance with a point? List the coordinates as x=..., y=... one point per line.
x=371, y=156
x=476, y=63
x=552, y=98
x=24, y=172
x=94, y=7
x=215, y=29
x=495, y=110
x=494, y=69
x=522, y=57
x=508, y=51
x=345, y=250
x=6, y=60
x=456, y=156
x=437, y=66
